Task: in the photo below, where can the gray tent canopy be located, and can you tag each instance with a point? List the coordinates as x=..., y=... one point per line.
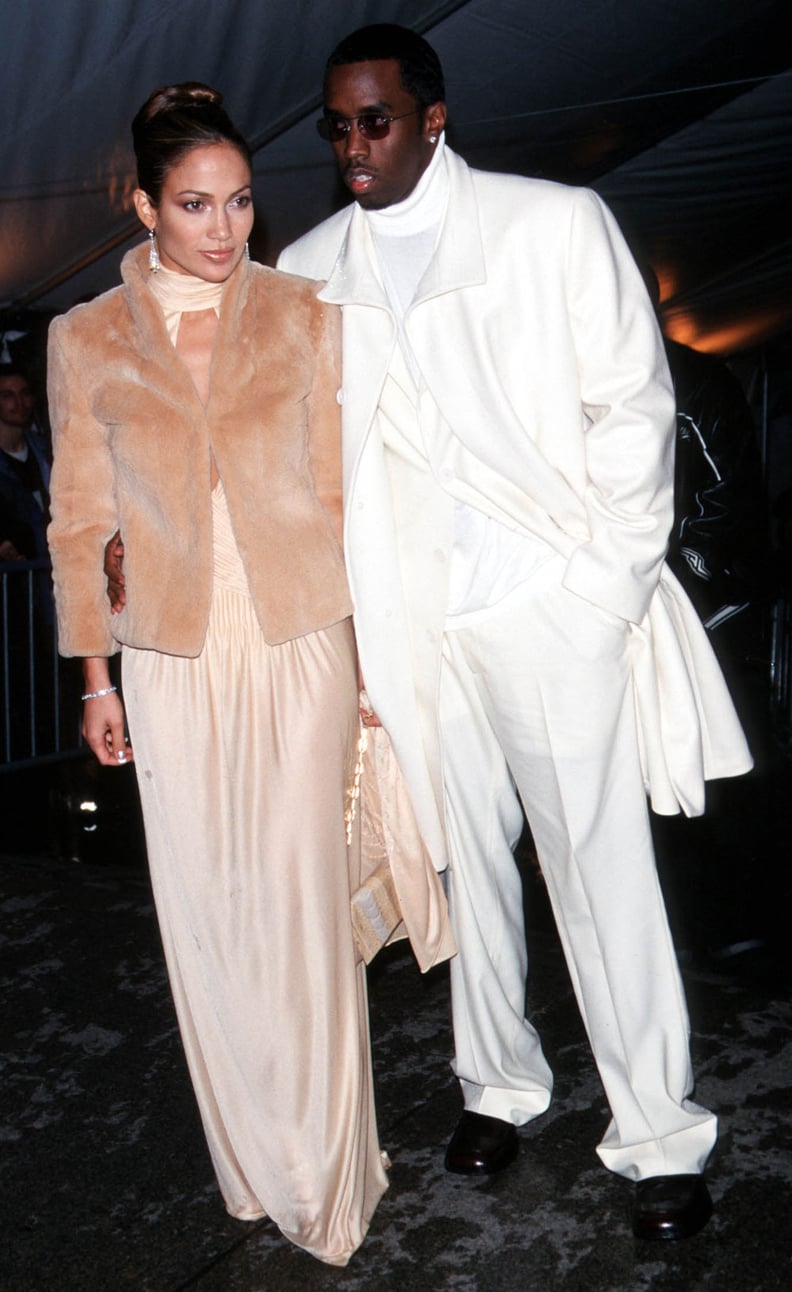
x=679, y=113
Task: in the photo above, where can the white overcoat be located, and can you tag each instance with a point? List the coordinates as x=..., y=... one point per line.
x=538, y=345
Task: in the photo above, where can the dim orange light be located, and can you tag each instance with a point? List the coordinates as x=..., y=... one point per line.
x=741, y=334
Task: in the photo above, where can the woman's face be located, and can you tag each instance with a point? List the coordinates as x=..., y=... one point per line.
x=205, y=213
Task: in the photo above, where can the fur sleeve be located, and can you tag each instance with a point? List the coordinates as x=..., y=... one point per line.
x=324, y=417
x=83, y=505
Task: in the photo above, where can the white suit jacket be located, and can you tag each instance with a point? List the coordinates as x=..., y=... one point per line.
x=537, y=341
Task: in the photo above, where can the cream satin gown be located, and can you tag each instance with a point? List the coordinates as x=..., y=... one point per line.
x=243, y=757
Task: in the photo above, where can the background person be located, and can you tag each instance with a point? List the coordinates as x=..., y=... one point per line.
x=26, y=610
x=24, y=471
x=723, y=872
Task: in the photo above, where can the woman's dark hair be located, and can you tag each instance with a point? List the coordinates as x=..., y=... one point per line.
x=174, y=120
x=419, y=67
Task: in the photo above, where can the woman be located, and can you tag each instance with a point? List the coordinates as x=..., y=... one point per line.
x=195, y=407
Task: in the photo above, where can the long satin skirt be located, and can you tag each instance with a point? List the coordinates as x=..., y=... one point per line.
x=243, y=756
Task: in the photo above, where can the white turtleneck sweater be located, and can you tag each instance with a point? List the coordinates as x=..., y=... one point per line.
x=405, y=235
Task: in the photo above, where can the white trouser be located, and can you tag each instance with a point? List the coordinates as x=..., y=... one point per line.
x=539, y=689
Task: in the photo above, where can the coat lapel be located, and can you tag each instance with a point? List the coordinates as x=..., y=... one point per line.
x=369, y=335
x=354, y=280
x=171, y=378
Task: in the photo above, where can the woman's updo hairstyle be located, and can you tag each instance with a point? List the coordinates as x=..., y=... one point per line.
x=174, y=120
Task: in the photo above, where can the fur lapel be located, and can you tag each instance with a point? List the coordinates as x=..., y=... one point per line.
x=167, y=370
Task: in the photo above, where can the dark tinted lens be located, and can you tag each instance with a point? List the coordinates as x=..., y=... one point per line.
x=373, y=126
x=332, y=129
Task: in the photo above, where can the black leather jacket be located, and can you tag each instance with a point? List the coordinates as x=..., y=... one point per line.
x=719, y=547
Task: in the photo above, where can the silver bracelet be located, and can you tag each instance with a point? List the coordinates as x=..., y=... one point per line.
x=94, y=695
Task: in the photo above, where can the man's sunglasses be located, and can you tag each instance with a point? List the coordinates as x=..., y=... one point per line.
x=371, y=125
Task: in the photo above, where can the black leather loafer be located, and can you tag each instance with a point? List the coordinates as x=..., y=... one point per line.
x=481, y=1145
x=671, y=1206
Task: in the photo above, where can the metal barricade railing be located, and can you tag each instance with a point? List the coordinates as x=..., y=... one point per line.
x=781, y=670
x=55, y=799
x=39, y=708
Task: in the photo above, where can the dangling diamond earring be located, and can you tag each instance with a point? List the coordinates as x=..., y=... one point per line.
x=154, y=260
x=247, y=251
x=433, y=139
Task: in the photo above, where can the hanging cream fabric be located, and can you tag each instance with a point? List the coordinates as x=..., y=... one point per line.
x=401, y=894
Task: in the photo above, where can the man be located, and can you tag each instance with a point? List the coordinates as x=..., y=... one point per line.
x=24, y=472
x=723, y=873
x=508, y=432
x=719, y=547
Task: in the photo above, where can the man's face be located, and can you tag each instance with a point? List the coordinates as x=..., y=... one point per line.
x=16, y=402
x=380, y=172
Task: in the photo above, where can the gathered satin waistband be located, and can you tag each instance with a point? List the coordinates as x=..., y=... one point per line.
x=227, y=563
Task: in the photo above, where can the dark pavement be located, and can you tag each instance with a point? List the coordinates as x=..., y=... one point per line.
x=107, y=1186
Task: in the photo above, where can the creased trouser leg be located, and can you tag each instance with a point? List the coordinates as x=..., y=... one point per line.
x=547, y=676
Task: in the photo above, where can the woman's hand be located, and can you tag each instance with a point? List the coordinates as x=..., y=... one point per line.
x=103, y=729
x=367, y=715
x=103, y=716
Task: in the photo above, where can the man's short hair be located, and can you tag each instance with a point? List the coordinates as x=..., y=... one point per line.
x=11, y=369
x=419, y=67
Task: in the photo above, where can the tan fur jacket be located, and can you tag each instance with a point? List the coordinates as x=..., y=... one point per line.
x=133, y=445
